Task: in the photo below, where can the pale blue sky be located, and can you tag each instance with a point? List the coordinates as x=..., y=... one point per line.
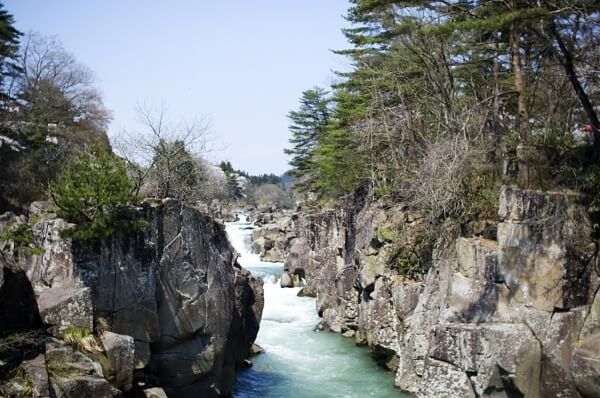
x=243, y=63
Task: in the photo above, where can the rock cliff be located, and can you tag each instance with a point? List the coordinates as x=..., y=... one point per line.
x=514, y=316
x=168, y=306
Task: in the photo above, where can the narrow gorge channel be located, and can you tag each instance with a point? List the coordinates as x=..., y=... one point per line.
x=298, y=361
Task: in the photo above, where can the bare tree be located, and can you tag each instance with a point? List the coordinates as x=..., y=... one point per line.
x=438, y=184
x=54, y=87
x=163, y=155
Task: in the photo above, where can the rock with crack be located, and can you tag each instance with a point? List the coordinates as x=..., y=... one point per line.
x=445, y=381
x=545, y=248
x=498, y=357
x=73, y=374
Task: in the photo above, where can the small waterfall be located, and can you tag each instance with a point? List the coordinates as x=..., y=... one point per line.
x=299, y=362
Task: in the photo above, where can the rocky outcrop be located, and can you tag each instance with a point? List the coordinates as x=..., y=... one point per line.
x=512, y=316
x=169, y=302
x=273, y=238
x=216, y=210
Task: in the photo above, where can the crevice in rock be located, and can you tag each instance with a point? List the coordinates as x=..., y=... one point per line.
x=509, y=386
x=366, y=292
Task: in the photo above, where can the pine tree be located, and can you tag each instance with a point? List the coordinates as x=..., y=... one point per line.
x=90, y=191
x=236, y=180
x=307, y=123
x=9, y=47
x=337, y=162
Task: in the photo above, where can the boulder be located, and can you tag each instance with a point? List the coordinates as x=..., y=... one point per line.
x=36, y=371
x=65, y=307
x=498, y=357
x=30, y=379
x=120, y=353
x=445, y=381
x=286, y=280
x=296, y=261
x=73, y=374
x=256, y=350
x=307, y=291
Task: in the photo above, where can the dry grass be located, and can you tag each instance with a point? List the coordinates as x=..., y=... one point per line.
x=82, y=339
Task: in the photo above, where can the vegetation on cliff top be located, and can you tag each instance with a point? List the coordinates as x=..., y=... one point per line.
x=448, y=100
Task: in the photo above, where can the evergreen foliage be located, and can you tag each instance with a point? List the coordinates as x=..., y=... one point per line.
x=93, y=191
x=9, y=47
x=236, y=182
x=454, y=89
x=49, y=112
x=306, y=125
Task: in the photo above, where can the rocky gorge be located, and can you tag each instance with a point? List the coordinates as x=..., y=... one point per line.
x=505, y=308
x=162, y=311
x=498, y=308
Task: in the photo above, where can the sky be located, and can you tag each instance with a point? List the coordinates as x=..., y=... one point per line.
x=241, y=64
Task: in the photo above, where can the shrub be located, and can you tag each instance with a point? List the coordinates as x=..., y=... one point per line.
x=92, y=192
x=22, y=237
x=449, y=181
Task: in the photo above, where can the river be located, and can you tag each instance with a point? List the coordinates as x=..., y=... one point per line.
x=299, y=362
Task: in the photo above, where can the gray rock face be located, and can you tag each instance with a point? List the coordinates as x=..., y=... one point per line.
x=178, y=306
x=545, y=248
x=586, y=366
x=516, y=316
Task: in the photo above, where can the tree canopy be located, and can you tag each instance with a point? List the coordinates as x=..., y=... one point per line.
x=507, y=88
x=90, y=191
x=307, y=124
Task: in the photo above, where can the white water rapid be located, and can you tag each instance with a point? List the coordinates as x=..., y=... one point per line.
x=299, y=362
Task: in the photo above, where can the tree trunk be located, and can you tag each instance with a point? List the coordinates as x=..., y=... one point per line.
x=520, y=87
x=567, y=62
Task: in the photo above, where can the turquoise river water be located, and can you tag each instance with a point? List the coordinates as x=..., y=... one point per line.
x=299, y=362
